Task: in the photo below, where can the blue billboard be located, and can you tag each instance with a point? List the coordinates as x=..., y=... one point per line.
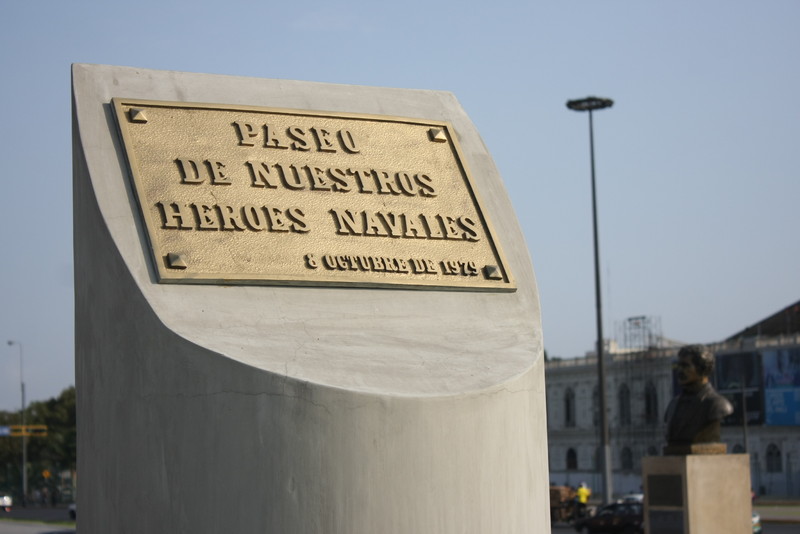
x=781, y=386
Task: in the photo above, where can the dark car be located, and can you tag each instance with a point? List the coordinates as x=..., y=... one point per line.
x=624, y=517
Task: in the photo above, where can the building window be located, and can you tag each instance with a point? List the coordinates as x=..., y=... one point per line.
x=624, y=405
x=572, y=460
x=650, y=404
x=627, y=459
x=774, y=464
x=598, y=459
x=569, y=408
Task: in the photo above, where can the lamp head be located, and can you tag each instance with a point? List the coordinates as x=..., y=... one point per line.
x=590, y=103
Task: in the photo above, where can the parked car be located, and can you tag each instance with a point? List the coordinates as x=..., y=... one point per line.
x=5, y=502
x=625, y=517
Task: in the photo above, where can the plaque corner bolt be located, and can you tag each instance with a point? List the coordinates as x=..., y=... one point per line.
x=437, y=135
x=176, y=261
x=492, y=272
x=137, y=115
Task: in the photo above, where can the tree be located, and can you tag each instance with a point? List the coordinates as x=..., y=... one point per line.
x=49, y=455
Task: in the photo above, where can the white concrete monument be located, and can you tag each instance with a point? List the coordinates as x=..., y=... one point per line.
x=301, y=308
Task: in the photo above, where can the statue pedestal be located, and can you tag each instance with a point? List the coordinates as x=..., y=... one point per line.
x=695, y=448
x=697, y=494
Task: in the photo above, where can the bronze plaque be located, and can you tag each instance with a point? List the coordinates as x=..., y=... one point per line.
x=246, y=195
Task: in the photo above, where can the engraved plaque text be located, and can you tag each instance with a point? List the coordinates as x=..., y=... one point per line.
x=244, y=195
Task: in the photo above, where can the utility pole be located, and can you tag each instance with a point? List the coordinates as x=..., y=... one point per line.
x=24, y=433
x=591, y=104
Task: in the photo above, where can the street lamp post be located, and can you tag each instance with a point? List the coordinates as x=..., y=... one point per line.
x=590, y=104
x=24, y=433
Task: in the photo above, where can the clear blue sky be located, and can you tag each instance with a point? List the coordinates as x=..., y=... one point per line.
x=697, y=162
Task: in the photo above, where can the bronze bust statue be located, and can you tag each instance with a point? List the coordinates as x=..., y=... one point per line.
x=694, y=416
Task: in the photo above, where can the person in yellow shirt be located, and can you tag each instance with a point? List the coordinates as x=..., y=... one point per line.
x=582, y=494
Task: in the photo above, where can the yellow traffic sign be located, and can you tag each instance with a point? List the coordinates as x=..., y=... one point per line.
x=38, y=431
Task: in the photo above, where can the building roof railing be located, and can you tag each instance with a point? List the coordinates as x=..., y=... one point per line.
x=655, y=353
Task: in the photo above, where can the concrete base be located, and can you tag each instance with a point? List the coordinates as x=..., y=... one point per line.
x=697, y=494
x=210, y=409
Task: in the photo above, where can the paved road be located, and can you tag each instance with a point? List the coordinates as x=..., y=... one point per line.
x=768, y=529
x=15, y=527
x=33, y=513
x=20, y=527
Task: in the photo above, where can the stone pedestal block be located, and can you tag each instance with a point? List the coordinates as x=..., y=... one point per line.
x=210, y=408
x=697, y=494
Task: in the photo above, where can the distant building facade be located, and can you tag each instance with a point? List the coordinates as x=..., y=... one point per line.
x=759, y=373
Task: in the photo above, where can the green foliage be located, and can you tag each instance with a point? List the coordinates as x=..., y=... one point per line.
x=55, y=453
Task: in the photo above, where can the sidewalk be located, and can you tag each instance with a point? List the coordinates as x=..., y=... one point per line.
x=777, y=511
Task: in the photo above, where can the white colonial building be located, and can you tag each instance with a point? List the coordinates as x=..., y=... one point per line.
x=640, y=384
